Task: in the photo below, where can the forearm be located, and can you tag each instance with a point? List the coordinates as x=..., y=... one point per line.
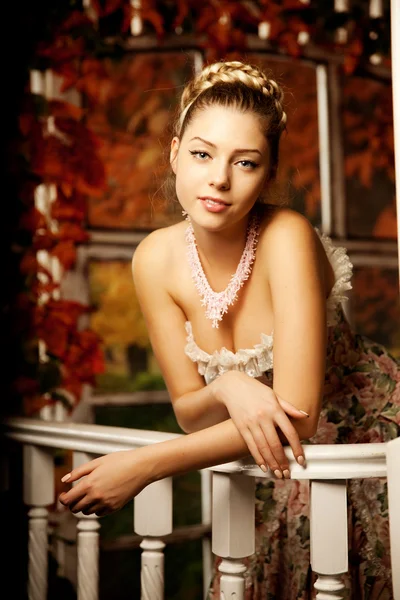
x=214, y=445
x=200, y=409
x=211, y=446
x=208, y=406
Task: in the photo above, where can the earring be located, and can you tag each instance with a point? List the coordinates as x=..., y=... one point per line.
x=184, y=213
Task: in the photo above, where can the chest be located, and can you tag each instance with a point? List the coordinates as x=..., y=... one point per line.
x=240, y=327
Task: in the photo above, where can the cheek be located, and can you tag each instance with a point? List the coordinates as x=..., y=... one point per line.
x=188, y=173
x=184, y=182
x=253, y=186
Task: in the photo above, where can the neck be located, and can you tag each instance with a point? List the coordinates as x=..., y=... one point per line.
x=217, y=295
x=223, y=249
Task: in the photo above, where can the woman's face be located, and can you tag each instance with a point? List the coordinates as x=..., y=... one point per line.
x=221, y=165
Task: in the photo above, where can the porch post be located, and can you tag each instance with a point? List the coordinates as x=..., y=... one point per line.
x=395, y=52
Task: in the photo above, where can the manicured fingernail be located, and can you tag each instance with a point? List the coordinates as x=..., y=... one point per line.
x=278, y=474
x=304, y=413
x=263, y=468
x=301, y=460
x=66, y=477
x=286, y=474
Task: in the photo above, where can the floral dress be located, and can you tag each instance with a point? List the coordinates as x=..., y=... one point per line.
x=361, y=404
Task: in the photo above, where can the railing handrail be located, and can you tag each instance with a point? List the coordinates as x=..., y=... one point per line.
x=323, y=461
x=82, y=437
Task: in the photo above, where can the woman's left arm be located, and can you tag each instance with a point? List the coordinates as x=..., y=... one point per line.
x=295, y=273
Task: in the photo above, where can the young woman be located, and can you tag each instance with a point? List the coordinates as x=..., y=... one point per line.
x=242, y=302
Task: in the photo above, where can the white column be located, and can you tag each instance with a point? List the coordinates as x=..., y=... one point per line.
x=152, y=519
x=328, y=537
x=87, y=545
x=393, y=479
x=38, y=494
x=233, y=529
x=136, y=21
x=395, y=54
x=88, y=557
x=37, y=549
x=324, y=149
x=206, y=515
x=393, y=447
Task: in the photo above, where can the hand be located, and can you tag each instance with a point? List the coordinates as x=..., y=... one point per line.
x=257, y=411
x=108, y=482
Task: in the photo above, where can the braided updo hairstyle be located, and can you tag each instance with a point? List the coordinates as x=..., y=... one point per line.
x=241, y=86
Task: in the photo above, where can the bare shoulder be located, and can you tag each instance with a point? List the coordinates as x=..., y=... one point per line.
x=285, y=230
x=154, y=254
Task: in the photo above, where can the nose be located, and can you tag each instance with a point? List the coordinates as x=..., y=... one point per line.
x=219, y=176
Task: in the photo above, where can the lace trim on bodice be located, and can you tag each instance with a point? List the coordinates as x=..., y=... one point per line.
x=343, y=270
x=259, y=359
x=253, y=361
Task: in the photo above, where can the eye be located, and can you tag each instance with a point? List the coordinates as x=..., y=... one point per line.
x=248, y=164
x=199, y=154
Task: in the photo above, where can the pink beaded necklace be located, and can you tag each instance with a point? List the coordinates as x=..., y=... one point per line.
x=217, y=303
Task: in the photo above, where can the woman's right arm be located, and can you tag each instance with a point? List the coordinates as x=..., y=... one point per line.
x=105, y=484
x=195, y=404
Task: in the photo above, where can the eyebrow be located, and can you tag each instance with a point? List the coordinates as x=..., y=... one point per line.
x=237, y=150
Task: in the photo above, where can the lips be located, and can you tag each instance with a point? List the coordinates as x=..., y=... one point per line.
x=214, y=200
x=213, y=205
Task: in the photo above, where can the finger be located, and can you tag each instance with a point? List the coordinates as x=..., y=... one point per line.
x=72, y=496
x=276, y=448
x=96, y=508
x=79, y=472
x=290, y=409
x=102, y=512
x=91, y=508
x=263, y=447
x=292, y=437
x=248, y=438
x=82, y=505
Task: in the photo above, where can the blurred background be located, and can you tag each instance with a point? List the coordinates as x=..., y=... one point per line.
x=90, y=89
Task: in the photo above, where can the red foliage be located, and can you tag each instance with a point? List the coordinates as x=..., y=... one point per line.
x=79, y=352
x=92, y=75
x=34, y=403
x=32, y=220
x=83, y=358
x=65, y=155
x=29, y=263
x=68, y=207
x=371, y=137
x=148, y=13
x=66, y=253
x=69, y=156
x=106, y=7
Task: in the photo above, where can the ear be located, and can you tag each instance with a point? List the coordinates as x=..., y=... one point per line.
x=174, y=153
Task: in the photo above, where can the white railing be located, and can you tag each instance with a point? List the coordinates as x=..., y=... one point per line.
x=328, y=469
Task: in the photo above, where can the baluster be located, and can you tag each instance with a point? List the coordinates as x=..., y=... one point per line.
x=152, y=519
x=88, y=557
x=38, y=494
x=206, y=512
x=328, y=537
x=38, y=559
x=393, y=479
x=87, y=545
x=233, y=529
x=152, y=569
